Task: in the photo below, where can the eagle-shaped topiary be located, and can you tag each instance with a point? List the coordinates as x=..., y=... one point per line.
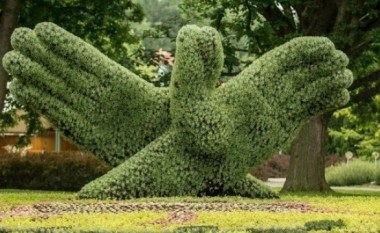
x=192, y=138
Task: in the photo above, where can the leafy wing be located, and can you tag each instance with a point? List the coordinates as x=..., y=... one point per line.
x=97, y=103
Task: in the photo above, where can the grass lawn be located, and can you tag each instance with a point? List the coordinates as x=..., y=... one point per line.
x=38, y=211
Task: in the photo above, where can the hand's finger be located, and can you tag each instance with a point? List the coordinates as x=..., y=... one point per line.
x=73, y=124
x=324, y=94
x=57, y=112
x=297, y=80
x=301, y=50
x=81, y=54
x=26, y=42
x=31, y=73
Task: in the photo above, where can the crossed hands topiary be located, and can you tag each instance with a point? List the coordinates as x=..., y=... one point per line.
x=191, y=138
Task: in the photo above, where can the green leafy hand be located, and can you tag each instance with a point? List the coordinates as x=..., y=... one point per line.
x=190, y=139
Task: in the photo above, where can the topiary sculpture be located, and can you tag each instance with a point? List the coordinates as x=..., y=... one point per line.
x=191, y=138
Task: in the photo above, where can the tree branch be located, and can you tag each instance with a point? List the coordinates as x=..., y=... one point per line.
x=359, y=82
x=366, y=94
x=274, y=15
x=358, y=48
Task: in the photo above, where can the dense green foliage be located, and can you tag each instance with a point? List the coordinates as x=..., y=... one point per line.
x=356, y=129
x=356, y=172
x=105, y=24
x=161, y=24
x=64, y=171
x=207, y=140
x=326, y=225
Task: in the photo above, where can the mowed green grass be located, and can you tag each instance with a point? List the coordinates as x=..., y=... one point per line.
x=359, y=210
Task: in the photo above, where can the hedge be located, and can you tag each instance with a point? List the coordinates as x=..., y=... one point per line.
x=68, y=171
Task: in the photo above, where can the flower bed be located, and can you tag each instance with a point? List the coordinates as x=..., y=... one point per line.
x=292, y=213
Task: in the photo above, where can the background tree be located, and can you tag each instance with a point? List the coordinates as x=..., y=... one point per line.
x=157, y=32
x=161, y=24
x=9, y=12
x=356, y=129
x=250, y=28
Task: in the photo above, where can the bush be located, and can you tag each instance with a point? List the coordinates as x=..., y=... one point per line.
x=357, y=172
x=324, y=225
x=54, y=171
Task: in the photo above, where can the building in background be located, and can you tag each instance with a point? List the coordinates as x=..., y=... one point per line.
x=50, y=141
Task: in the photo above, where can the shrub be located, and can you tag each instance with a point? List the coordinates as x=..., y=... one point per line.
x=49, y=171
x=324, y=225
x=357, y=172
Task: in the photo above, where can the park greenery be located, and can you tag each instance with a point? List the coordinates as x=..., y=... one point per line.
x=357, y=172
x=192, y=110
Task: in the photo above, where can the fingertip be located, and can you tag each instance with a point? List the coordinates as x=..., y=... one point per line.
x=48, y=31
x=10, y=61
x=344, y=97
x=343, y=79
x=23, y=38
x=321, y=43
x=187, y=32
x=45, y=26
x=340, y=99
x=14, y=62
x=340, y=58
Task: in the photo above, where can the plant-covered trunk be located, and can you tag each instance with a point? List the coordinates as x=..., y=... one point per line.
x=8, y=22
x=307, y=163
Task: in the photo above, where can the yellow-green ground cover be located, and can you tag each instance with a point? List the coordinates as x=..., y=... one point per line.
x=359, y=211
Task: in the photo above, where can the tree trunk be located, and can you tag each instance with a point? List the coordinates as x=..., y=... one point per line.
x=8, y=22
x=307, y=163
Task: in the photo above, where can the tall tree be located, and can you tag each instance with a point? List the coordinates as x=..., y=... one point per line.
x=8, y=21
x=253, y=27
